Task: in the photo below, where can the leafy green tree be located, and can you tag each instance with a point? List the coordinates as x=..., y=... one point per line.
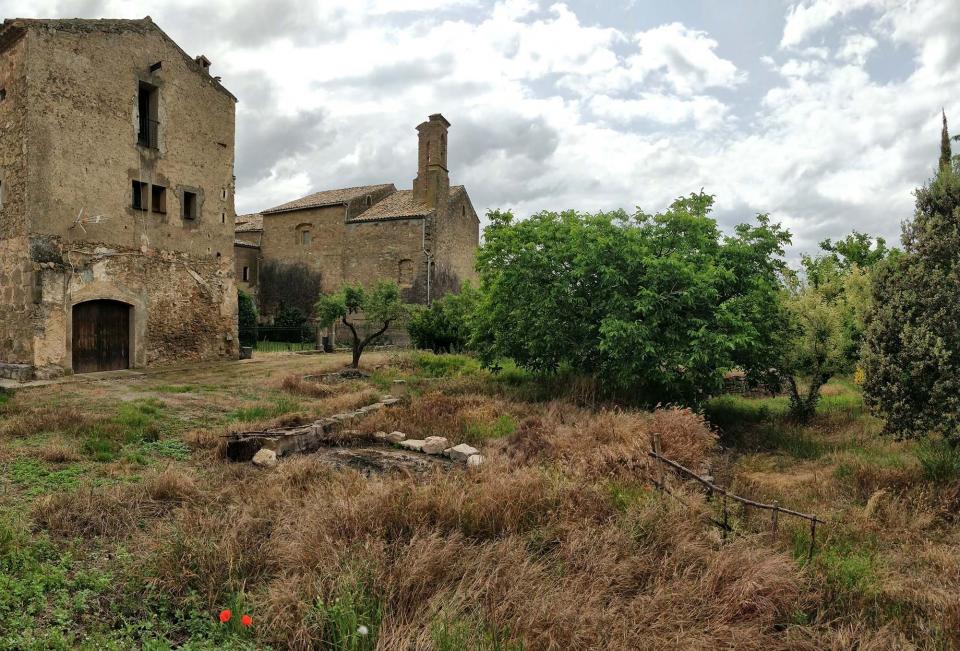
x=815, y=349
x=444, y=327
x=912, y=358
x=656, y=307
x=366, y=314
x=247, y=319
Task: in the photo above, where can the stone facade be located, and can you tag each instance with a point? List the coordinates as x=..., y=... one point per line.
x=425, y=239
x=116, y=183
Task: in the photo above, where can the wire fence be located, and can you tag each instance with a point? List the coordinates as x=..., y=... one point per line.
x=713, y=490
x=277, y=339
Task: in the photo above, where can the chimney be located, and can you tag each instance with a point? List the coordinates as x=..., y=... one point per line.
x=203, y=62
x=433, y=180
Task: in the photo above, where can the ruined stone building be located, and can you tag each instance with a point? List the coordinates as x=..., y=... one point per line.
x=116, y=200
x=425, y=238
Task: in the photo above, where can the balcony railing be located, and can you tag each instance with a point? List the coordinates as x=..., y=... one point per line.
x=147, y=136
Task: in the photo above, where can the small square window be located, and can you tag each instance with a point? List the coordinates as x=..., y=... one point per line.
x=189, y=205
x=158, y=199
x=139, y=195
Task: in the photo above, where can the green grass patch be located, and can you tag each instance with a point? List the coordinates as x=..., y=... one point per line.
x=37, y=478
x=939, y=460
x=167, y=449
x=140, y=420
x=504, y=425
x=465, y=632
x=349, y=620
x=175, y=388
x=436, y=366
x=100, y=448
x=279, y=407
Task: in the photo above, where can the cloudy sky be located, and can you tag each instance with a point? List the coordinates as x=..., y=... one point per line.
x=824, y=113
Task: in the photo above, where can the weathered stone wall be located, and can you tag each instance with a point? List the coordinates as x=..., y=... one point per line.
x=184, y=307
x=16, y=270
x=82, y=131
x=249, y=258
x=457, y=236
x=386, y=250
x=282, y=241
x=16, y=301
x=69, y=154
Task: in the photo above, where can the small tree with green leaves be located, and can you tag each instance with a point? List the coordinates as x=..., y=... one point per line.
x=815, y=350
x=445, y=326
x=366, y=314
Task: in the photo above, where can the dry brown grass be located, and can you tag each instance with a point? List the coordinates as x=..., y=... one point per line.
x=557, y=541
x=296, y=385
x=58, y=451
x=34, y=420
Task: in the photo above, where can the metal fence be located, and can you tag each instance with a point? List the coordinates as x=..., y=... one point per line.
x=274, y=339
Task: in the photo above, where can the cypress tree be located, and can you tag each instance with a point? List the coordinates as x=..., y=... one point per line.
x=945, y=154
x=912, y=352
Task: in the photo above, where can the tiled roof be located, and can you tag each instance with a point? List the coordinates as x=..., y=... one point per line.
x=398, y=205
x=327, y=198
x=249, y=223
x=247, y=245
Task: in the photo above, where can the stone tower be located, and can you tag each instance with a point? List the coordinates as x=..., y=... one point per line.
x=432, y=185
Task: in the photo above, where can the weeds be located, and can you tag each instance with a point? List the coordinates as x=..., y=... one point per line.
x=939, y=460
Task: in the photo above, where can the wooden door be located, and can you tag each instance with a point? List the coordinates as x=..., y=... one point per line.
x=101, y=336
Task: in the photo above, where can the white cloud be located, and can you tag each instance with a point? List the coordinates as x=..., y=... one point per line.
x=856, y=48
x=806, y=18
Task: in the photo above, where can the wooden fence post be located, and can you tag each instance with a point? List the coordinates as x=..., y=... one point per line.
x=813, y=539
x=776, y=516
x=725, y=517
x=656, y=449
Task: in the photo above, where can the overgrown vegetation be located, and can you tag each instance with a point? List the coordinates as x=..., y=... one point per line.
x=558, y=541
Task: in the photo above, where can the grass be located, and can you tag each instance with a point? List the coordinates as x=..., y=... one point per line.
x=36, y=478
x=122, y=527
x=939, y=460
x=278, y=407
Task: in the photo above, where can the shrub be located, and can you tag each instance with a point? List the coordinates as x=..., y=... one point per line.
x=444, y=327
x=247, y=318
x=291, y=285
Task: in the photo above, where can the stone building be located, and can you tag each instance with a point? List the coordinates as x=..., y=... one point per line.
x=425, y=238
x=116, y=200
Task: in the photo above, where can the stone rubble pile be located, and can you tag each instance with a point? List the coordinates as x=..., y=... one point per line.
x=434, y=445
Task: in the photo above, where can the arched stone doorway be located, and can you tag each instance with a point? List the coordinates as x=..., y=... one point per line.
x=101, y=336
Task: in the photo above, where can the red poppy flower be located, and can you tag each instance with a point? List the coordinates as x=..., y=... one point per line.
x=246, y=620
x=225, y=616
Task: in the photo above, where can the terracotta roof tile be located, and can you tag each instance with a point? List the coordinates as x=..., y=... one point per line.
x=327, y=198
x=398, y=205
x=248, y=223
x=247, y=245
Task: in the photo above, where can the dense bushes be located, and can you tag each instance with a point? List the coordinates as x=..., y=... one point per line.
x=655, y=306
x=444, y=327
x=247, y=317
x=288, y=285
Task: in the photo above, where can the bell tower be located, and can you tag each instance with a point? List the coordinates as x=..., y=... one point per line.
x=432, y=184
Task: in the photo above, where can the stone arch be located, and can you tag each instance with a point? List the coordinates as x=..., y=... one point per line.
x=105, y=291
